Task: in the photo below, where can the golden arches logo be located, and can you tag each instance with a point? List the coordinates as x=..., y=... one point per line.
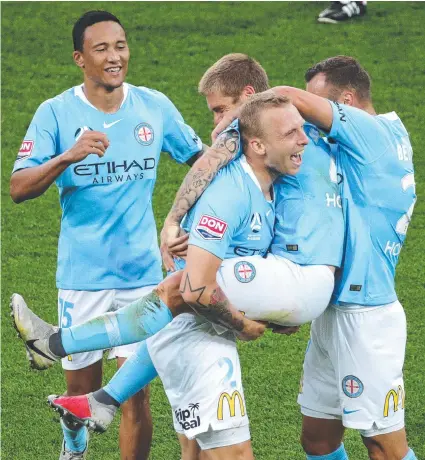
x=231, y=401
x=396, y=397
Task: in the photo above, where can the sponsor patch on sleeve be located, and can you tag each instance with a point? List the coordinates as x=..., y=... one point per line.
x=25, y=150
x=211, y=228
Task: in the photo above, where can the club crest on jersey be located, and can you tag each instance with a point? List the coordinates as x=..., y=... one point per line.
x=211, y=228
x=80, y=131
x=352, y=386
x=256, y=222
x=25, y=150
x=245, y=272
x=144, y=134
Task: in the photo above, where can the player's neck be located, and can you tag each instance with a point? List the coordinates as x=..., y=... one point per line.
x=99, y=97
x=264, y=176
x=366, y=106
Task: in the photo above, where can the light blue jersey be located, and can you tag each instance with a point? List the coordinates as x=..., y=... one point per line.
x=108, y=237
x=374, y=162
x=232, y=218
x=309, y=226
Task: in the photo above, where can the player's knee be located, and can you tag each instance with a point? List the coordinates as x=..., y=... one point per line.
x=169, y=290
x=137, y=408
x=314, y=445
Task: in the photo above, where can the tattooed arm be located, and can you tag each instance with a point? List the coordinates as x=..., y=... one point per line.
x=224, y=149
x=203, y=171
x=201, y=292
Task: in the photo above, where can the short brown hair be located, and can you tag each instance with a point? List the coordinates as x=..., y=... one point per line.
x=230, y=74
x=344, y=72
x=249, y=119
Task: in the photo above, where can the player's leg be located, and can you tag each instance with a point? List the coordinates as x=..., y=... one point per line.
x=224, y=445
x=388, y=446
x=275, y=289
x=367, y=349
x=189, y=448
x=322, y=429
x=135, y=322
x=83, y=372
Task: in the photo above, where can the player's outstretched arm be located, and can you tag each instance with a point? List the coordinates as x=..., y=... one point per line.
x=314, y=109
x=201, y=292
x=32, y=182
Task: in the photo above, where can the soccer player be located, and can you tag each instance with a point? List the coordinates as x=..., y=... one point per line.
x=353, y=368
x=100, y=142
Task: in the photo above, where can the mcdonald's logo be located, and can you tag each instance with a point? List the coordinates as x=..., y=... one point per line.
x=397, y=397
x=231, y=401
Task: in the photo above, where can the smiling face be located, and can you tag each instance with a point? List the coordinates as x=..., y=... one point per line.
x=283, y=139
x=105, y=55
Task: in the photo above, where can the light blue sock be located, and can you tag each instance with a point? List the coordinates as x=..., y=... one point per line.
x=75, y=439
x=133, y=323
x=339, y=454
x=137, y=371
x=410, y=455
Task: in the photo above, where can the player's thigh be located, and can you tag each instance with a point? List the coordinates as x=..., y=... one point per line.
x=368, y=350
x=76, y=307
x=83, y=381
x=387, y=445
x=275, y=289
x=321, y=436
x=241, y=451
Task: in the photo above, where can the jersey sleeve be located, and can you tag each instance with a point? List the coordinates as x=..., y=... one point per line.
x=217, y=217
x=360, y=132
x=180, y=140
x=40, y=141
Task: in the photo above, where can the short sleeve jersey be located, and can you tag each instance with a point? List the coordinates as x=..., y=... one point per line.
x=309, y=226
x=374, y=162
x=108, y=237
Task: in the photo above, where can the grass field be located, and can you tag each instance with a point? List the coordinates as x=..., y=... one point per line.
x=172, y=44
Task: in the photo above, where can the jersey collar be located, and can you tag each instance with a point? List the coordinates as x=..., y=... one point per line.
x=392, y=116
x=78, y=91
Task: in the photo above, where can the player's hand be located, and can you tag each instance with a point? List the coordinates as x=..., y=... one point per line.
x=173, y=244
x=89, y=142
x=252, y=330
x=286, y=330
x=228, y=117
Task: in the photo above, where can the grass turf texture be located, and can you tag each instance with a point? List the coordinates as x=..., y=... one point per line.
x=172, y=44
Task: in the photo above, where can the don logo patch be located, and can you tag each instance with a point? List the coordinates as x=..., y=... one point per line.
x=25, y=150
x=211, y=228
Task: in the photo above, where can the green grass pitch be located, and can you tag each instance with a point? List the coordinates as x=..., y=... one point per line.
x=172, y=44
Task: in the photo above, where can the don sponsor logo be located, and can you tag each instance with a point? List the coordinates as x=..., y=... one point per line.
x=394, y=400
x=189, y=417
x=25, y=150
x=227, y=404
x=211, y=228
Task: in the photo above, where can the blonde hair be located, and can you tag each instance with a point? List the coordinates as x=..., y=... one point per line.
x=231, y=74
x=249, y=119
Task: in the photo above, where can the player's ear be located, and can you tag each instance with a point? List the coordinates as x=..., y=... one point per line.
x=78, y=59
x=247, y=92
x=348, y=98
x=257, y=146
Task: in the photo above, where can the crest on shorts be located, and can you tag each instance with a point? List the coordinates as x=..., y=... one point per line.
x=352, y=386
x=143, y=133
x=244, y=272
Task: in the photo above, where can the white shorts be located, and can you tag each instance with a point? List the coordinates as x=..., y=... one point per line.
x=353, y=368
x=76, y=307
x=201, y=374
x=275, y=289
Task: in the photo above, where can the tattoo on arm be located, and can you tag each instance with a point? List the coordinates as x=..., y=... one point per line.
x=224, y=149
x=217, y=310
